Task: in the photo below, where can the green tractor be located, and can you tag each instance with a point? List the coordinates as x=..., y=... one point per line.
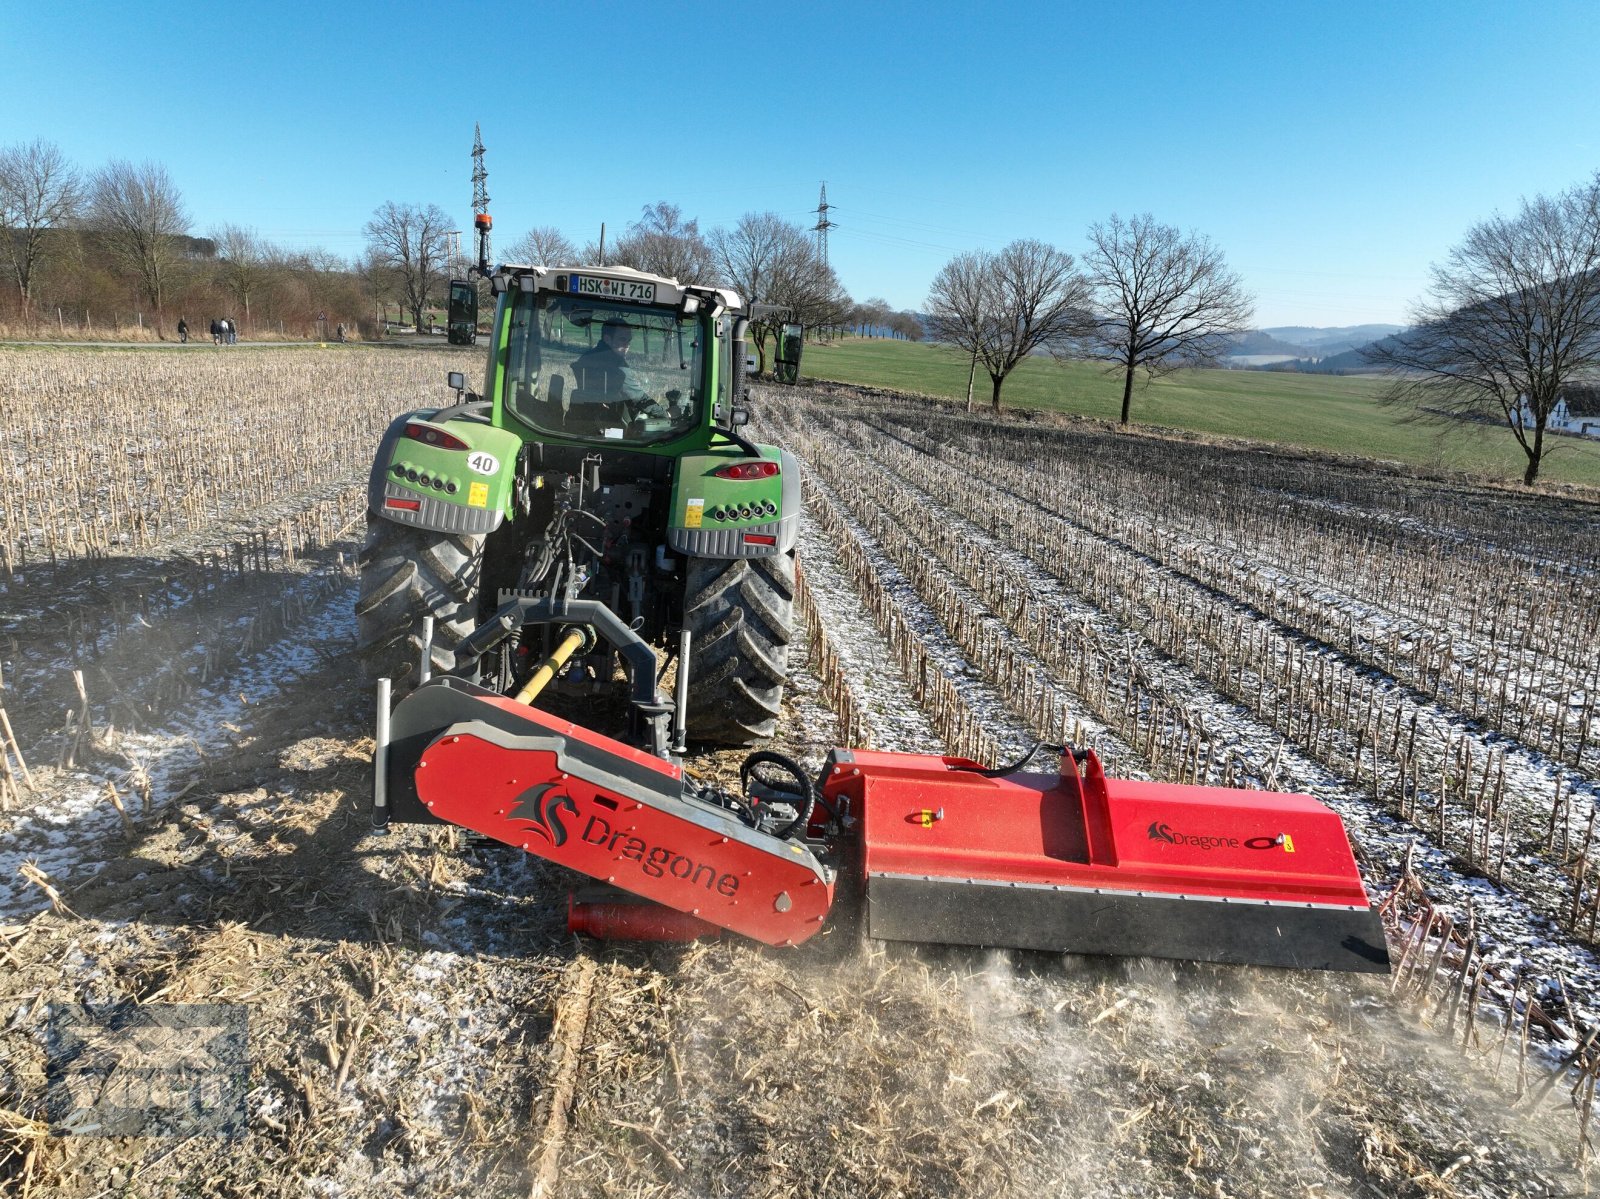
x=786, y=355
x=601, y=464
x=461, y=323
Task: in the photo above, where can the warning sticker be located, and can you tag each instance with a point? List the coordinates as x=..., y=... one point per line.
x=477, y=495
x=694, y=512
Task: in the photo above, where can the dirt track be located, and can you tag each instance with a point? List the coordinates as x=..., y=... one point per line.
x=411, y=998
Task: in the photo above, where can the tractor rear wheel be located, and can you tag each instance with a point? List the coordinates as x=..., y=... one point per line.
x=740, y=616
x=407, y=574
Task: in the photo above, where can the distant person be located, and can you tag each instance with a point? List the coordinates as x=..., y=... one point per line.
x=216, y=332
x=183, y=331
x=232, y=326
x=338, y=333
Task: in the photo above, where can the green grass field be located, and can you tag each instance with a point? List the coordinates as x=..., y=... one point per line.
x=1339, y=414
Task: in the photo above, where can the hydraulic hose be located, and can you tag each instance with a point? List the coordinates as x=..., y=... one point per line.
x=1002, y=771
x=575, y=638
x=803, y=793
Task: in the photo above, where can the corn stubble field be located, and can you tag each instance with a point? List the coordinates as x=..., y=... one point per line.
x=186, y=773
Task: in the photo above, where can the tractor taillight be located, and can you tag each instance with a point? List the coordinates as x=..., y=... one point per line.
x=407, y=505
x=744, y=471
x=428, y=435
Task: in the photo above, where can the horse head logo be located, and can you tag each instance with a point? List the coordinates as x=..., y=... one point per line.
x=543, y=811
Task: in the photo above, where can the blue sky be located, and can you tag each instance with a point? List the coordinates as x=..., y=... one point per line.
x=1332, y=150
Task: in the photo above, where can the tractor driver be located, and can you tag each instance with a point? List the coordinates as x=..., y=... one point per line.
x=604, y=372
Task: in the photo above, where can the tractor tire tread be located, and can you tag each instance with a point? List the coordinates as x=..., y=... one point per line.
x=740, y=613
x=406, y=574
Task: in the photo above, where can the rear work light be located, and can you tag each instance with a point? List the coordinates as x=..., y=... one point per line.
x=743, y=471
x=431, y=436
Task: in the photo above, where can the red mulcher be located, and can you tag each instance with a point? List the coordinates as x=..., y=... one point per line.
x=932, y=849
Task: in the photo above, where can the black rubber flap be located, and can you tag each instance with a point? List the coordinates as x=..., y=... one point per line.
x=1123, y=924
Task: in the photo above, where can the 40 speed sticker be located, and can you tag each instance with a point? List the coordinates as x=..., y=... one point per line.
x=482, y=463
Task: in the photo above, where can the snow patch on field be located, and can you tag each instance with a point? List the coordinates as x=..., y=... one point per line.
x=59, y=834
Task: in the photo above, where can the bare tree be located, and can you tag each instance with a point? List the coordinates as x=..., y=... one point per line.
x=1002, y=307
x=1165, y=299
x=410, y=240
x=543, y=246
x=39, y=191
x=870, y=316
x=960, y=307
x=768, y=260
x=244, y=262
x=1513, y=318
x=663, y=243
x=138, y=212
x=907, y=325
x=382, y=284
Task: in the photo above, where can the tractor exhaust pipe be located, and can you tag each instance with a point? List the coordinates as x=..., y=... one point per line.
x=741, y=334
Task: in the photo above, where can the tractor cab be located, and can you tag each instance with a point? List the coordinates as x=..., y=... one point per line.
x=612, y=355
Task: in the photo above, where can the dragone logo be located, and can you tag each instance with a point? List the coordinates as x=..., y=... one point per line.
x=1161, y=831
x=543, y=811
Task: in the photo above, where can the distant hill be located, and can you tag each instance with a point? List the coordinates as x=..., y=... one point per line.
x=1261, y=342
x=1333, y=351
x=1319, y=343
x=1350, y=362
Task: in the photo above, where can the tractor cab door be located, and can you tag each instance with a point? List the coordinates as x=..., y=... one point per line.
x=462, y=321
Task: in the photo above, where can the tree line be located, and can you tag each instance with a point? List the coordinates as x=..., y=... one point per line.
x=1147, y=298
x=1511, y=321
x=119, y=237
x=1510, y=324
x=769, y=261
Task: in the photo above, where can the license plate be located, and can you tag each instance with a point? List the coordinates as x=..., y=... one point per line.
x=612, y=289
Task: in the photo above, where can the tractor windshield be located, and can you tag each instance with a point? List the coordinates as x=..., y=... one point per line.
x=578, y=366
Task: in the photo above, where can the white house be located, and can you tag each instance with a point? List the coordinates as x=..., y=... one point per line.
x=1576, y=412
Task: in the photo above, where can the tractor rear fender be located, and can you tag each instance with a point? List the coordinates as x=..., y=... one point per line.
x=715, y=516
x=451, y=476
